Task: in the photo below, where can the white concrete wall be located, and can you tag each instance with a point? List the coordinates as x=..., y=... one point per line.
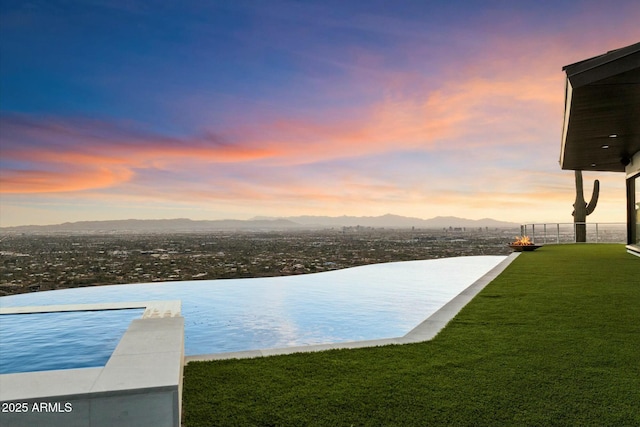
x=136, y=408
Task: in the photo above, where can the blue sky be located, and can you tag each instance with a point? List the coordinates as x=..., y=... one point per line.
x=235, y=109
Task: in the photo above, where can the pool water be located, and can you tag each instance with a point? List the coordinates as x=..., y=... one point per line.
x=361, y=303
x=63, y=340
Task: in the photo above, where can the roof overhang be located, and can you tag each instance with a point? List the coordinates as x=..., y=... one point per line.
x=601, y=129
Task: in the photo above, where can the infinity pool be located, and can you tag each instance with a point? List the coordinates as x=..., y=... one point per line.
x=360, y=303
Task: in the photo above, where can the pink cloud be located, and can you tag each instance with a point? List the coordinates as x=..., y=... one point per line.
x=77, y=155
x=70, y=180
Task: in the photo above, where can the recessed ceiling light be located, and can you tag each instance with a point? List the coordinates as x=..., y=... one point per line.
x=605, y=146
x=613, y=135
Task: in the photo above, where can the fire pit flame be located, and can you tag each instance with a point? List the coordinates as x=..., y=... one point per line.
x=522, y=241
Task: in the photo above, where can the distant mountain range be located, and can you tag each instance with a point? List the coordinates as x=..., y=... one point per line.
x=394, y=221
x=257, y=223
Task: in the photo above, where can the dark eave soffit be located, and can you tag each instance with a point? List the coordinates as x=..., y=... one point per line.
x=602, y=99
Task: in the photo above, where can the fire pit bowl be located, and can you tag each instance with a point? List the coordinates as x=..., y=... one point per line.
x=524, y=248
x=523, y=244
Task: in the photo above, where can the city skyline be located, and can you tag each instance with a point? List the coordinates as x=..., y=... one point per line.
x=237, y=109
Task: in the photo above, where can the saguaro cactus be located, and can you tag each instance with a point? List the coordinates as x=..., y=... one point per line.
x=581, y=209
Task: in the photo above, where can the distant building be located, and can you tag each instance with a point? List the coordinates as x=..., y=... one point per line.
x=601, y=130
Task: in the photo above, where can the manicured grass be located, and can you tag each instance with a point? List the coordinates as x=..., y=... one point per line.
x=554, y=340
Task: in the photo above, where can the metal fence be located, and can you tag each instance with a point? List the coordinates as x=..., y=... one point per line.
x=549, y=233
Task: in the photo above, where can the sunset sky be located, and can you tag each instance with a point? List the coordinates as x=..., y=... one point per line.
x=233, y=109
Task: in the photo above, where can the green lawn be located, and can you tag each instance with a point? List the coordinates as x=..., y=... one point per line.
x=554, y=340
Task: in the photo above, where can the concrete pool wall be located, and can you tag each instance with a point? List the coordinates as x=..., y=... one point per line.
x=141, y=384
